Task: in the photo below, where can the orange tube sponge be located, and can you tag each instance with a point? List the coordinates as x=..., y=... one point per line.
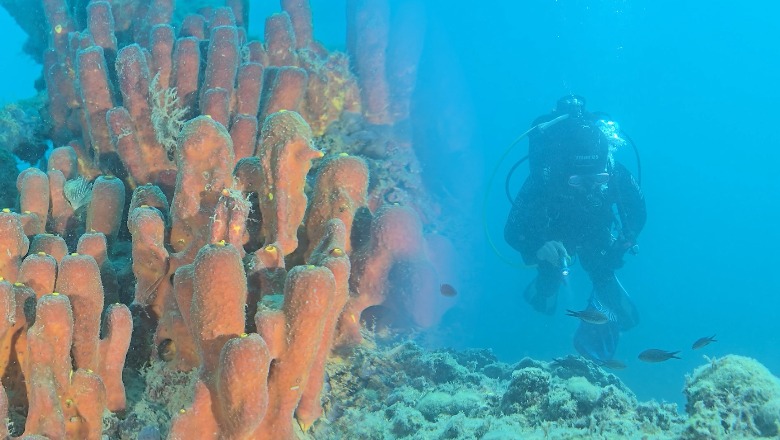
x=330, y=254
x=64, y=403
x=112, y=351
x=368, y=27
x=150, y=258
x=33, y=187
x=104, y=213
x=49, y=341
x=14, y=244
x=79, y=279
x=285, y=152
x=60, y=23
x=340, y=188
x=280, y=40
x=186, y=71
x=193, y=25
x=84, y=413
x=219, y=297
x=240, y=11
x=95, y=91
x=233, y=407
x=162, y=41
x=228, y=223
x=64, y=159
x=250, y=81
x=221, y=16
x=175, y=323
x=3, y=413
x=95, y=245
x=63, y=216
x=100, y=23
x=294, y=336
x=134, y=80
x=241, y=387
x=222, y=61
x=300, y=17
x=215, y=103
x=205, y=159
x=244, y=135
x=396, y=233
x=39, y=271
x=283, y=89
x=16, y=299
x=7, y=316
x=50, y=244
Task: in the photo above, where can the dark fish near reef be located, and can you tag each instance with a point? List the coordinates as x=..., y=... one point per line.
x=612, y=364
x=701, y=342
x=591, y=316
x=656, y=355
x=447, y=290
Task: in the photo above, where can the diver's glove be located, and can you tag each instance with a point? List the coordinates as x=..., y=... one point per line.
x=553, y=252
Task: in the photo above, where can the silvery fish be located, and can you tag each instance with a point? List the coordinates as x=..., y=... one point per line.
x=701, y=342
x=612, y=364
x=591, y=316
x=656, y=355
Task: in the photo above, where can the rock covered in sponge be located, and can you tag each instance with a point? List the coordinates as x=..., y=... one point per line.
x=734, y=396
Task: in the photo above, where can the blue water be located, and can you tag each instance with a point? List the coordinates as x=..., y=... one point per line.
x=694, y=84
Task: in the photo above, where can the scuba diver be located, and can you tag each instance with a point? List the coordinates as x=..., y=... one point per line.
x=578, y=201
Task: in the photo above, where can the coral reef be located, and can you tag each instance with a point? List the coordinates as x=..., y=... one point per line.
x=733, y=396
x=22, y=129
x=218, y=221
x=188, y=231
x=399, y=390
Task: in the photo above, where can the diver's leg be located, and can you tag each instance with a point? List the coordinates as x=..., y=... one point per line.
x=597, y=341
x=611, y=298
x=542, y=292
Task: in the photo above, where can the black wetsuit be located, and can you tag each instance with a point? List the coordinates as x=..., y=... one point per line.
x=548, y=209
x=582, y=222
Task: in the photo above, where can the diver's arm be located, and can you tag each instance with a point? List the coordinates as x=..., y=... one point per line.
x=630, y=203
x=526, y=229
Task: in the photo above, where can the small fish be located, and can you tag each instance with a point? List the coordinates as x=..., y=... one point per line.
x=656, y=355
x=612, y=364
x=590, y=316
x=701, y=342
x=447, y=290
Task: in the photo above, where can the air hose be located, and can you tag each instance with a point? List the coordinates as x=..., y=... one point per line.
x=541, y=127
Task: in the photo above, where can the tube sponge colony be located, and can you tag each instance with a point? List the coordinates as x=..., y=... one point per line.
x=189, y=218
